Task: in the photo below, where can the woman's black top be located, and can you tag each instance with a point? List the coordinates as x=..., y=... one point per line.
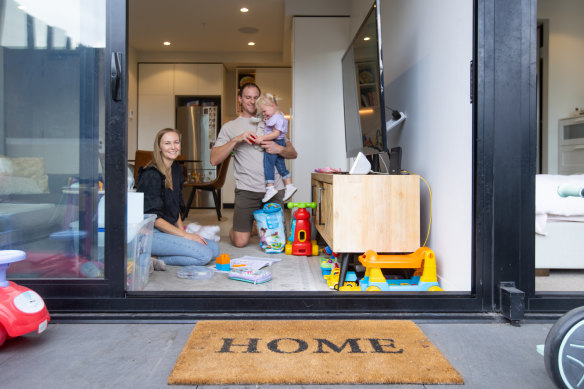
x=158, y=200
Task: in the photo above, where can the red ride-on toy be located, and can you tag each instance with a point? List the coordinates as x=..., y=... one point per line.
x=299, y=242
x=21, y=309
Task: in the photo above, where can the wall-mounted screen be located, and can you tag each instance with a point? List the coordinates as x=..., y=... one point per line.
x=363, y=98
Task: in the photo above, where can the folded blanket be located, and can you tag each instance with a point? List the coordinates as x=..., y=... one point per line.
x=548, y=201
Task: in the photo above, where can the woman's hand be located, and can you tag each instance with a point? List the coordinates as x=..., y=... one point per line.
x=195, y=237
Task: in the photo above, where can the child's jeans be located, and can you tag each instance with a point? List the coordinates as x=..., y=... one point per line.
x=271, y=160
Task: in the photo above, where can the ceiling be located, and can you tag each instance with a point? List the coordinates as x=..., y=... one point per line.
x=209, y=26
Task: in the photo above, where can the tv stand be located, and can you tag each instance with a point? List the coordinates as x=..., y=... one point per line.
x=356, y=213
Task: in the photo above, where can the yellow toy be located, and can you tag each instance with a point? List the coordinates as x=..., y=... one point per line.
x=332, y=280
x=424, y=279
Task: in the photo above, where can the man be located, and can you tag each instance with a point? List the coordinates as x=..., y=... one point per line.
x=237, y=136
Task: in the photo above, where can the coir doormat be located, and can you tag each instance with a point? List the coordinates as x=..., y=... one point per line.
x=310, y=352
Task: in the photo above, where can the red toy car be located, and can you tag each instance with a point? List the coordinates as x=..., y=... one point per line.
x=21, y=310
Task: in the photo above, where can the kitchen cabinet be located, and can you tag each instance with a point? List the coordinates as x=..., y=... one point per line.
x=155, y=112
x=198, y=79
x=356, y=213
x=156, y=79
x=158, y=86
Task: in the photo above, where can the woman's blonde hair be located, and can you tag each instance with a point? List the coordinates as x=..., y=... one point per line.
x=267, y=99
x=158, y=162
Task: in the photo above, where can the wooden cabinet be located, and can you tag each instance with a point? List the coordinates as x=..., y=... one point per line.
x=356, y=213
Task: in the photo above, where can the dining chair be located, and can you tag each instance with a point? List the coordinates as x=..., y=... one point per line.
x=213, y=186
x=141, y=159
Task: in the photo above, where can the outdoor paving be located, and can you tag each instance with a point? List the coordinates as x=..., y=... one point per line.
x=487, y=355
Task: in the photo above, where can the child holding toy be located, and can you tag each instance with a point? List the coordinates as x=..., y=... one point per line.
x=276, y=128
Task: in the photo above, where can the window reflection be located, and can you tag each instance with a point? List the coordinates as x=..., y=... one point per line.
x=51, y=129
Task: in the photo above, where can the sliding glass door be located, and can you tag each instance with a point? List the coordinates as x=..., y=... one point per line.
x=57, y=88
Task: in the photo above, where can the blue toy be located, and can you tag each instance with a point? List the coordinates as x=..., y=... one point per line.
x=270, y=221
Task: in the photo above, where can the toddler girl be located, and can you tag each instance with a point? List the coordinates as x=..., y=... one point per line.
x=276, y=128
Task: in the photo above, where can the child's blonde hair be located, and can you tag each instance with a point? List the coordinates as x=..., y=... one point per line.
x=267, y=99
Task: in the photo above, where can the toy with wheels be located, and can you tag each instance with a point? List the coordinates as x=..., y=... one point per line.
x=564, y=350
x=564, y=345
x=21, y=309
x=299, y=242
x=332, y=280
x=424, y=278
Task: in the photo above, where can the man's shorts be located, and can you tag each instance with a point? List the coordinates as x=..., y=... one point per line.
x=246, y=202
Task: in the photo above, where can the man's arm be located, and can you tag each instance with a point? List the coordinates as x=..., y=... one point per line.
x=288, y=152
x=219, y=153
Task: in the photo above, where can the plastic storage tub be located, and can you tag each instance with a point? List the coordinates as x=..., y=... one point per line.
x=138, y=254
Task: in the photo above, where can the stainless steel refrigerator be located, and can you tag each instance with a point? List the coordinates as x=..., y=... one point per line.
x=198, y=128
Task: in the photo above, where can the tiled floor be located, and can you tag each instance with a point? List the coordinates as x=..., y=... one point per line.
x=296, y=273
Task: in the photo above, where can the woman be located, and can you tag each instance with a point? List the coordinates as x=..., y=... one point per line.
x=161, y=181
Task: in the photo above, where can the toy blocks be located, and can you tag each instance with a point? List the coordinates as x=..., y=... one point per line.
x=223, y=262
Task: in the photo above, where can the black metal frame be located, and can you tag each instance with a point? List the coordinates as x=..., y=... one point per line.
x=503, y=94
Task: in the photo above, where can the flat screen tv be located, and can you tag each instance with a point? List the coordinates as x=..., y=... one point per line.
x=363, y=99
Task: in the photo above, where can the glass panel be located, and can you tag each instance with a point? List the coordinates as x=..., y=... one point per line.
x=574, y=131
x=559, y=214
x=51, y=130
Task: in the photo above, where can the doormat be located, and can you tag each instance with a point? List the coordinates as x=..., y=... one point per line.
x=310, y=352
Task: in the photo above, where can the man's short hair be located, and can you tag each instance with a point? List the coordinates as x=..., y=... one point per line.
x=249, y=85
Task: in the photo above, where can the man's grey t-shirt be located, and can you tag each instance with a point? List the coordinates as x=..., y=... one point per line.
x=248, y=162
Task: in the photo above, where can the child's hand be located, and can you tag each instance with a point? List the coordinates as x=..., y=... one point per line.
x=259, y=139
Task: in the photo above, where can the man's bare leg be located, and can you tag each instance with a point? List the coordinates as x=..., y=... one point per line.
x=238, y=238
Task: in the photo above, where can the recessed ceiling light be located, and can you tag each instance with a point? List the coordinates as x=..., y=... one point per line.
x=244, y=10
x=21, y=7
x=251, y=43
x=167, y=43
x=366, y=38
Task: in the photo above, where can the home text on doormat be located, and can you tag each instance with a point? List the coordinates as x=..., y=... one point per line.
x=310, y=352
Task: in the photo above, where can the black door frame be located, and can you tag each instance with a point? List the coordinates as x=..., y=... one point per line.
x=504, y=102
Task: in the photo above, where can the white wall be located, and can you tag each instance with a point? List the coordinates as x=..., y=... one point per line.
x=317, y=95
x=565, y=75
x=427, y=49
